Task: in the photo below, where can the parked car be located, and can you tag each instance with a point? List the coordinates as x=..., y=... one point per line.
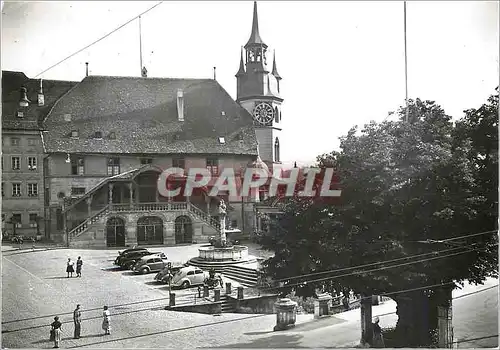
x=189, y=276
x=129, y=260
x=162, y=276
x=150, y=263
x=126, y=252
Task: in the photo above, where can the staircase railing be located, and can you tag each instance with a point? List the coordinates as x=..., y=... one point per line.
x=84, y=225
x=204, y=216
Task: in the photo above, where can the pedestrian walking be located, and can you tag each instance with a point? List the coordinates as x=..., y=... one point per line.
x=69, y=267
x=55, y=332
x=77, y=319
x=79, y=264
x=378, y=338
x=33, y=243
x=106, y=321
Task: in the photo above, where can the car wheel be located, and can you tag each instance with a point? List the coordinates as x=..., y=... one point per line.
x=185, y=284
x=144, y=270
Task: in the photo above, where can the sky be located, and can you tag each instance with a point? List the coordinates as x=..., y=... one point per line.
x=342, y=63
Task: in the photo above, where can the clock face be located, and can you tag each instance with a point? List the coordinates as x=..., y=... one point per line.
x=263, y=113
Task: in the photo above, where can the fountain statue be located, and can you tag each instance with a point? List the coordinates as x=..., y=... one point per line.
x=222, y=217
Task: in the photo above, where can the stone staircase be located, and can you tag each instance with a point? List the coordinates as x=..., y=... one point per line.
x=245, y=276
x=144, y=207
x=227, y=305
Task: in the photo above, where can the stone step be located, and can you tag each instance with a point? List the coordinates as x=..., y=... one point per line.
x=218, y=266
x=243, y=281
x=252, y=274
x=227, y=306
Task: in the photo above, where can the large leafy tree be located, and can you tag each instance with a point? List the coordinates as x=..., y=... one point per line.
x=407, y=187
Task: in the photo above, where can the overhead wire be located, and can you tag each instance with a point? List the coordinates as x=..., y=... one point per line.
x=98, y=40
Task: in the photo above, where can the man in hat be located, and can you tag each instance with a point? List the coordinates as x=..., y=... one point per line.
x=77, y=319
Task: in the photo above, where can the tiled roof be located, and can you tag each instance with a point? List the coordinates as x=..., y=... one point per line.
x=141, y=114
x=11, y=85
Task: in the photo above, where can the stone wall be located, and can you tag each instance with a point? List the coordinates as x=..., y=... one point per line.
x=256, y=305
x=207, y=308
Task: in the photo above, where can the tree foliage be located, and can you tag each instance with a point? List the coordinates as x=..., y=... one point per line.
x=404, y=186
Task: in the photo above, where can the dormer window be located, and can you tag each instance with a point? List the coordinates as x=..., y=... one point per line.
x=240, y=136
x=20, y=114
x=112, y=135
x=74, y=133
x=177, y=136
x=98, y=135
x=222, y=140
x=67, y=117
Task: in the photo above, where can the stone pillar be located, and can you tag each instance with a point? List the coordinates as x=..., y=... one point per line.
x=286, y=314
x=110, y=193
x=223, y=228
x=89, y=206
x=171, y=299
x=240, y=293
x=228, y=288
x=366, y=320
x=157, y=196
x=321, y=305
x=131, y=194
x=216, y=295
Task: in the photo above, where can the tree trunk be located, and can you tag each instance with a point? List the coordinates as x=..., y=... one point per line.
x=418, y=316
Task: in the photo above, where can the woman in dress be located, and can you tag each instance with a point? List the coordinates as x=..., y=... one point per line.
x=69, y=267
x=56, y=329
x=106, y=320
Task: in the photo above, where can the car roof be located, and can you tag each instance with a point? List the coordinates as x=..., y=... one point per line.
x=154, y=255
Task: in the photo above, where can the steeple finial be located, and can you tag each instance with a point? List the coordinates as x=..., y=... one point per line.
x=275, y=69
x=241, y=71
x=255, y=36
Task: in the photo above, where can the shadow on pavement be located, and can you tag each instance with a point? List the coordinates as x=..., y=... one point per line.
x=274, y=342
x=59, y=277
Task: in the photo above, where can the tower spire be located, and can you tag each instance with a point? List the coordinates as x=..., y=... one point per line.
x=241, y=71
x=255, y=36
x=275, y=69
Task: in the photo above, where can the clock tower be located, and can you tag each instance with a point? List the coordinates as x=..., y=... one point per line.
x=258, y=91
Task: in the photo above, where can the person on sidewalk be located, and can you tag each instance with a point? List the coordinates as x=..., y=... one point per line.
x=378, y=338
x=106, y=321
x=79, y=264
x=77, y=319
x=69, y=267
x=56, y=329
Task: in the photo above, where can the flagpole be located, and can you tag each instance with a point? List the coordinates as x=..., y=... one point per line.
x=140, y=45
x=406, y=65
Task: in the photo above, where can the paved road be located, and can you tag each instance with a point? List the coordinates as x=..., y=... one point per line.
x=35, y=288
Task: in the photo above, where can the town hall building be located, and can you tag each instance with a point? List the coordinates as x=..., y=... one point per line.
x=102, y=143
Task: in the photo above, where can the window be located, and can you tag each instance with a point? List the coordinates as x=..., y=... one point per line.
x=213, y=166
x=112, y=135
x=113, y=166
x=77, y=166
x=149, y=261
x=190, y=273
x=32, y=142
x=234, y=223
x=33, y=219
x=178, y=162
x=198, y=272
x=3, y=189
x=2, y=163
x=276, y=115
x=59, y=219
x=16, y=190
x=20, y=114
x=222, y=140
x=145, y=161
x=17, y=219
x=33, y=190
x=15, y=141
x=157, y=260
x=74, y=133
x=67, y=117
x=98, y=135
x=277, y=150
x=77, y=191
x=3, y=217
x=32, y=163
x=16, y=163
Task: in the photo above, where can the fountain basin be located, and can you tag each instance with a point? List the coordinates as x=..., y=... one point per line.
x=234, y=253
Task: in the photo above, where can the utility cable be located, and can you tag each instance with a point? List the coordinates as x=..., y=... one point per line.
x=98, y=40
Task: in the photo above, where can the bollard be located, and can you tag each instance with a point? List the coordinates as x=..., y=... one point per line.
x=171, y=299
x=286, y=314
x=240, y=293
x=205, y=291
x=199, y=292
x=228, y=288
x=216, y=295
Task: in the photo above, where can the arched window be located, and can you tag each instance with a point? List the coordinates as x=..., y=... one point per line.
x=277, y=150
x=276, y=115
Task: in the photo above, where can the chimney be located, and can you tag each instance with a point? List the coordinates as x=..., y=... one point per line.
x=86, y=69
x=41, y=98
x=23, y=101
x=180, y=105
x=144, y=72
x=215, y=76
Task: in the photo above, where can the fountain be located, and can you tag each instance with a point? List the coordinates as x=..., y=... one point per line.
x=220, y=254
